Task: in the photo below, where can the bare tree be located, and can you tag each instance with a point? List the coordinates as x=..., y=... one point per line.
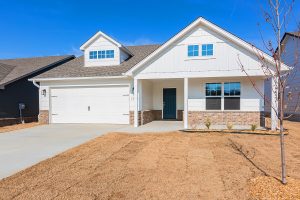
x=278, y=14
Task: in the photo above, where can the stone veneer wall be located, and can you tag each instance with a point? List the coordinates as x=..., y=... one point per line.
x=44, y=117
x=147, y=116
x=224, y=117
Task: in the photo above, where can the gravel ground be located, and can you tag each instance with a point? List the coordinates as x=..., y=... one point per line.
x=158, y=166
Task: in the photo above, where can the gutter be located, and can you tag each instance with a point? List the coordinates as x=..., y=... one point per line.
x=76, y=78
x=35, y=84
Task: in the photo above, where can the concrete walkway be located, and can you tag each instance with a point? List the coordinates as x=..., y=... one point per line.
x=23, y=148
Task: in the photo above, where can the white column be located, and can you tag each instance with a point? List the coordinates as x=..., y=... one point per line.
x=186, y=95
x=274, y=103
x=136, y=103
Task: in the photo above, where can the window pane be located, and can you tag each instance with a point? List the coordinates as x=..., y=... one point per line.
x=193, y=50
x=232, y=103
x=209, y=47
x=204, y=53
x=213, y=89
x=204, y=47
x=210, y=53
x=232, y=89
x=213, y=103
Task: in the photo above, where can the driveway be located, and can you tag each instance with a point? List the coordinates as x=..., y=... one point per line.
x=23, y=148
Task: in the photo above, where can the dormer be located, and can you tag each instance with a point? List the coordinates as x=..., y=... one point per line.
x=102, y=50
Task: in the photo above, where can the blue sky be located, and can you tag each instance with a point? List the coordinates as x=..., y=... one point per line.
x=56, y=27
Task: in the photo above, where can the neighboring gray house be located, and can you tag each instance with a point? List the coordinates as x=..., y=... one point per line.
x=290, y=46
x=15, y=87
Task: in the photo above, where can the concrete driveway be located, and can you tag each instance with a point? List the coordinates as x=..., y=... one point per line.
x=23, y=148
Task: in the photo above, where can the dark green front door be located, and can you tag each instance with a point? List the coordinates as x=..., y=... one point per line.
x=169, y=103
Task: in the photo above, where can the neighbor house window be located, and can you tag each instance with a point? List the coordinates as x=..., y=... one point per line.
x=93, y=54
x=232, y=92
x=193, y=50
x=101, y=54
x=110, y=53
x=213, y=93
x=207, y=49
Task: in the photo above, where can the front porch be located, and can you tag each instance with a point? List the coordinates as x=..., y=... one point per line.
x=185, y=99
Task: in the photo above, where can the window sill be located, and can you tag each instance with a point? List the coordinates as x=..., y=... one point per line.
x=200, y=58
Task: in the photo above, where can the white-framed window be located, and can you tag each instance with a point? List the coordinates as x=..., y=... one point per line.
x=231, y=95
x=93, y=54
x=207, y=49
x=110, y=53
x=101, y=54
x=213, y=93
x=193, y=50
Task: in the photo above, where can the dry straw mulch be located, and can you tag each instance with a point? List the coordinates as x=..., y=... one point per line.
x=266, y=187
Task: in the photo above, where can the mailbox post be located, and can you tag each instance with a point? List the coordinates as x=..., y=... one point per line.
x=21, y=107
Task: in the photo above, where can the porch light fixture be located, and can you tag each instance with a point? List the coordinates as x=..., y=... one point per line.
x=44, y=92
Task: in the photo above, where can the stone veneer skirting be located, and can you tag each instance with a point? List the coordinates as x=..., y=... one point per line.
x=225, y=117
x=44, y=117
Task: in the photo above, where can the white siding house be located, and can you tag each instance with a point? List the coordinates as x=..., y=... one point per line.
x=290, y=45
x=194, y=75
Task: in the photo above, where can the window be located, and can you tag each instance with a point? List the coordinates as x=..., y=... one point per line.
x=193, y=50
x=110, y=54
x=213, y=96
x=207, y=49
x=232, y=92
x=93, y=54
x=101, y=54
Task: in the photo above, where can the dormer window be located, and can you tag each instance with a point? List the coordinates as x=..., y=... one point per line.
x=110, y=54
x=102, y=54
x=93, y=54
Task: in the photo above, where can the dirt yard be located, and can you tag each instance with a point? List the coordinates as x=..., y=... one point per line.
x=158, y=166
x=15, y=127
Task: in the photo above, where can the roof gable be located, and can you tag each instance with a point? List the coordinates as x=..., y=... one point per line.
x=201, y=21
x=99, y=34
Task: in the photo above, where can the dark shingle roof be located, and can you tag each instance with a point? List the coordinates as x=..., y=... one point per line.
x=75, y=68
x=14, y=69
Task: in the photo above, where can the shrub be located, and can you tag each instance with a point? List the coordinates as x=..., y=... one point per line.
x=208, y=123
x=253, y=127
x=229, y=126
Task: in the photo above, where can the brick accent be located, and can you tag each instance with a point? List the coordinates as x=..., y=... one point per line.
x=44, y=117
x=12, y=121
x=147, y=116
x=224, y=117
x=131, y=117
x=157, y=114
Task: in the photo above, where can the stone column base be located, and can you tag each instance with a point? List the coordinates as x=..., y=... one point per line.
x=43, y=117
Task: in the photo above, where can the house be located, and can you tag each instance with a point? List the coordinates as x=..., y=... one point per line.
x=15, y=87
x=194, y=75
x=290, y=52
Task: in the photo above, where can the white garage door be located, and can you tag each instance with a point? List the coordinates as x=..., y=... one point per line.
x=90, y=105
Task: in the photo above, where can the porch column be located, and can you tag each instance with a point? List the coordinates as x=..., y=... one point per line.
x=186, y=95
x=136, y=103
x=274, y=103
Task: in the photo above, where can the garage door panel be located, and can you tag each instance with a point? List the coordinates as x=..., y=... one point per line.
x=90, y=105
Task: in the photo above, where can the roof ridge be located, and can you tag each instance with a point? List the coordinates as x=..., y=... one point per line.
x=34, y=57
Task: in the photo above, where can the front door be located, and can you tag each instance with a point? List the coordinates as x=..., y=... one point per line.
x=169, y=103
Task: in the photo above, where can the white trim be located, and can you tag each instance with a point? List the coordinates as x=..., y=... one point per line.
x=185, y=102
x=100, y=33
x=213, y=27
x=76, y=78
x=136, y=114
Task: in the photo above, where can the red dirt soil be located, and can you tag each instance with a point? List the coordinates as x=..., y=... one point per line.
x=159, y=166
